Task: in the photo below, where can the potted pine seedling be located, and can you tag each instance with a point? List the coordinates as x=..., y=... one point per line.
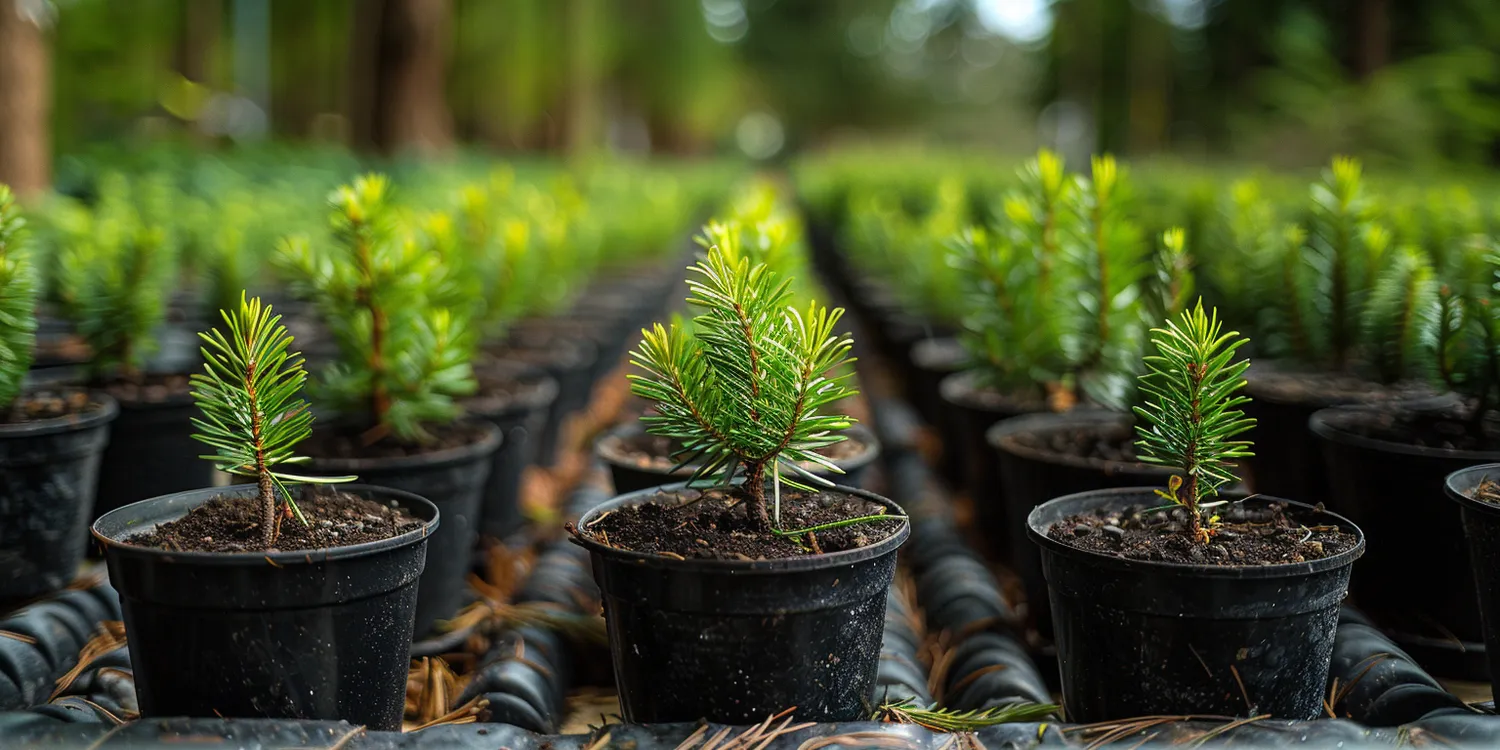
x=1384, y=460
x=284, y=598
x=403, y=358
x=1090, y=446
x=51, y=439
x=741, y=600
x=1011, y=326
x=639, y=459
x=1322, y=340
x=1175, y=600
x=485, y=250
x=116, y=272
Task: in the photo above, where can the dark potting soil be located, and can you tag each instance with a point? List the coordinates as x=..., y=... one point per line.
x=716, y=525
x=1447, y=429
x=40, y=405
x=1112, y=445
x=1259, y=535
x=349, y=442
x=1488, y=491
x=152, y=388
x=655, y=452
x=1266, y=381
x=232, y=524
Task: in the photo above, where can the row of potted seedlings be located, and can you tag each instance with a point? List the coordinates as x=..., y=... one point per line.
x=297, y=595
x=1060, y=288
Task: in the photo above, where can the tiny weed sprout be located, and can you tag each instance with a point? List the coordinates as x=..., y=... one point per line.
x=253, y=416
x=18, y=294
x=1189, y=418
x=747, y=386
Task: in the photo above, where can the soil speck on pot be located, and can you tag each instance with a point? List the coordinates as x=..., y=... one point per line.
x=1267, y=535
x=714, y=525
x=232, y=524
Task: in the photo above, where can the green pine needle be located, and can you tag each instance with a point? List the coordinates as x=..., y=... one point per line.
x=252, y=413
x=749, y=384
x=18, y=293
x=947, y=720
x=1189, y=418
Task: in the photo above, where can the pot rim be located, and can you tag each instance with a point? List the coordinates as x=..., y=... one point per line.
x=926, y=350
x=1002, y=437
x=1455, y=484
x=1134, y=495
x=1321, y=425
x=413, y=503
x=957, y=388
x=489, y=443
x=866, y=436
x=543, y=394
x=741, y=567
x=109, y=409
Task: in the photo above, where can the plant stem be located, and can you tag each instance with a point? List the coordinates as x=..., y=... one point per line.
x=266, y=491
x=1190, y=456
x=755, y=490
x=380, y=399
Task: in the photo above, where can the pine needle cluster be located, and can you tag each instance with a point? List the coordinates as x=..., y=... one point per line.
x=117, y=269
x=403, y=356
x=748, y=387
x=1060, y=292
x=18, y=295
x=252, y=413
x=1189, y=420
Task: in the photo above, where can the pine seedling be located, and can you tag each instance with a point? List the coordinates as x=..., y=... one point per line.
x=1105, y=266
x=117, y=270
x=1189, y=419
x=748, y=386
x=402, y=356
x=253, y=416
x=18, y=295
x=1398, y=316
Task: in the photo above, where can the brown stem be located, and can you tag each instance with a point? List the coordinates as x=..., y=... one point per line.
x=755, y=490
x=266, y=491
x=380, y=399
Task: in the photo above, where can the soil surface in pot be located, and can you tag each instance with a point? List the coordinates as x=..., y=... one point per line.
x=1328, y=387
x=1262, y=535
x=716, y=525
x=350, y=442
x=40, y=405
x=499, y=389
x=990, y=399
x=1448, y=429
x=232, y=524
x=152, y=388
x=1488, y=491
x=654, y=452
x=1092, y=443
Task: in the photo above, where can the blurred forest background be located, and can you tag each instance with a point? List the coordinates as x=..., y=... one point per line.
x=1284, y=82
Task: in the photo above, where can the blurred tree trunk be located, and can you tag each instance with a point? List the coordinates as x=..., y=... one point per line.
x=1373, y=49
x=25, y=98
x=198, y=41
x=583, y=124
x=398, y=75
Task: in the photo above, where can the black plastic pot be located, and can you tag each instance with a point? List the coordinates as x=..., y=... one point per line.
x=151, y=453
x=1288, y=461
x=322, y=634
x=570, y=363
x=972, y=417
x=521, y=420
x=1481, y=522
x=48, y=471
x=932, y=362
x=735, y=641
x=1142, y=638
x=1416, y=582
x=628, y=476
x=454, y=481
x=1031, y=476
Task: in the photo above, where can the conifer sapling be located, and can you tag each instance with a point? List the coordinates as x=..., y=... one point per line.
x=18, y=293
x=1189, y=419
x=253, y=416
x=747, y=387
